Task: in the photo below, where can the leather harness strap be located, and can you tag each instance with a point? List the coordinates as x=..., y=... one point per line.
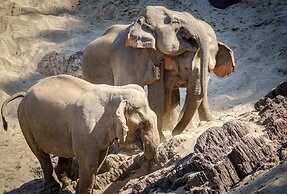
x=156, y=67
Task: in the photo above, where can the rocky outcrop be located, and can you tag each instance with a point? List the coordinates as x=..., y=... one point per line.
x=54, y=64
x=118, y=166
x=124, y=164
x=280, y=90
x=223, y=156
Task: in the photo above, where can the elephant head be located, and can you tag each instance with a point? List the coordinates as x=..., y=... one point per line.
x=137, y=122
x=160, y=29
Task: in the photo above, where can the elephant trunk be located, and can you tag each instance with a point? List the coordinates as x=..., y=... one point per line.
x=191, y=104
x=197, y=86
x=150, y=151
x=151, y=141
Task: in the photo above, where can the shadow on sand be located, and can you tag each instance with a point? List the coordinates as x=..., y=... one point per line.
x=35, y=186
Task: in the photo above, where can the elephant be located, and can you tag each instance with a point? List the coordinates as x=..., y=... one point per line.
x=67, y=116
x=145, y=53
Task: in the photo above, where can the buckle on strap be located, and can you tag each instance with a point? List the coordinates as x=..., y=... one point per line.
x=156, y=70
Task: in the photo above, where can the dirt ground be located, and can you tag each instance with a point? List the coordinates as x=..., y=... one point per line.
x=255, y=30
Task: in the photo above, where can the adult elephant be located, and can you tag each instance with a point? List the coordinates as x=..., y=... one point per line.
x=144, y=51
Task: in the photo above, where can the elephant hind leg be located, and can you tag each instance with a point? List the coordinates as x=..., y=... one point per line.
x=45, y=161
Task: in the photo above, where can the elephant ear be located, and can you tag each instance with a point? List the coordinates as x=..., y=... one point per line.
x=122, y=128
x=224, y=61
x=138, y=35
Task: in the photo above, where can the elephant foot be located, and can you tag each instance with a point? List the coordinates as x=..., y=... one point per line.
x=71, y=188
x=65, y=180
x=52, y=186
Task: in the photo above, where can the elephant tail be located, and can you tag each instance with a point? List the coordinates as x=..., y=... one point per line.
x=17, y=95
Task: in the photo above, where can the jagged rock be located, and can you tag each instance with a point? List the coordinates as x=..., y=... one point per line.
x=167, y=152
x=223, y=138
x=54, y=64
x=281, y=89
x=119, y=166
x=283, y=152
x=74, y=66
x=222, y=157
x=274, y=117
x=251, y=154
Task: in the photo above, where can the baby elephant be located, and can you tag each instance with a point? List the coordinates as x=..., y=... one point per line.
x=67, y=116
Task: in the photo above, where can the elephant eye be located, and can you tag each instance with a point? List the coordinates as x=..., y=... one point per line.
x=167, y=20
x=144, y=125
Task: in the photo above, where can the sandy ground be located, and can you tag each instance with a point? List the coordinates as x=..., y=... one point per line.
x=255, y=30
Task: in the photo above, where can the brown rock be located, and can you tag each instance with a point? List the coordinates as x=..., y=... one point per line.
x=195, y=180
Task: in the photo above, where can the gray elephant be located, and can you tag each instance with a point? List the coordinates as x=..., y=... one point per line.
x=67, y=116
x=144, y=53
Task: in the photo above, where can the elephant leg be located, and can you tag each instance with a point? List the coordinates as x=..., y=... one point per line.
x=88, y=168
x=45, y=161
x=172, y=100
x=50, y=183
x=63, y=170
x=86, y=179
x=156, y=102
x=168, y=88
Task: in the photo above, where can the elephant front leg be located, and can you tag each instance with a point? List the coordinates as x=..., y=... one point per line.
x=171, y=98
x=156, y=102
x=86, y=179
x=88, y=168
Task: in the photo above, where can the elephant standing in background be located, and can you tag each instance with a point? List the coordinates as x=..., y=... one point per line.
x=164, y=50
x=67, y=116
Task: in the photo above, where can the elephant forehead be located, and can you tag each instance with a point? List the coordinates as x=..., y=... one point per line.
x=138, y=99
x=156, y=14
